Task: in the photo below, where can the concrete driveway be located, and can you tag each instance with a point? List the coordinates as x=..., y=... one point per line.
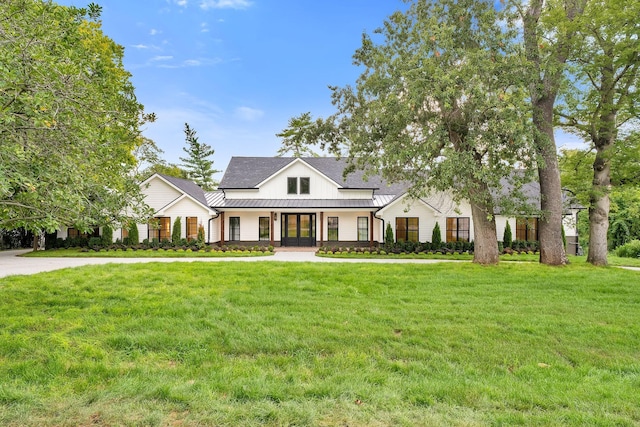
x=11, y=263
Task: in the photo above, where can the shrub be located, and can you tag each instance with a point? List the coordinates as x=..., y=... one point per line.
x=96, y=242
x=200, y=235
x=388, y=237
x=629, y=250
x=436, y=237
x=134, y=237
x=107, y=235
x=507, y=239
x=176, y=233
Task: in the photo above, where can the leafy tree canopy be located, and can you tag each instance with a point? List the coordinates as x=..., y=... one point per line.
x=297, y=137
x=69, y=120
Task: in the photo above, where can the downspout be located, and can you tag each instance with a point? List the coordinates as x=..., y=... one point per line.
x=209, y=226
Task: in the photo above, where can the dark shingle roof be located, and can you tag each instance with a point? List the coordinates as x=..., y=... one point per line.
x=248, y=172
x=188, y=187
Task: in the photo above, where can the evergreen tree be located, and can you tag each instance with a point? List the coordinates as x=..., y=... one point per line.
x=436, y=237
x=198, y=166
x=176, y=233
x=134, y=236
x=107, y=235
x=508, y=237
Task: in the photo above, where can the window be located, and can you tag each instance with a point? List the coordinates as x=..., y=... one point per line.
x=264, y=228
x=332, y=228
x=407, y=229
x=363, y=229
x=192, y=228
x=527, y=229
x=234, y=228
x=458, y=229
x=74, y=232
x=305, y=186
x=160, y=228
x=292, y=185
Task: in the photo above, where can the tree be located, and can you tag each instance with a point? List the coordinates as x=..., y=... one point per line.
x=436, y=236
x=69, y=121
x=624, y=215
x=198, y=165
x=549, y=36
x=440, y=105
x=297, y=137
x=604, y=99
x=507, y=238
x=176, y=233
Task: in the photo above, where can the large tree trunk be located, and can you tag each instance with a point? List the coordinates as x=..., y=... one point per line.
x=604, y=135
x=599, y=212
x=547, y=72
x=485, y=238
x=599, y=203
x=552, y=250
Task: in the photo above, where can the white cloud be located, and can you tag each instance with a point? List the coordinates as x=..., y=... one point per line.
x=248, y=114
x=162, y=58
x=191, y=63
x=140, y=46
x=181, y=2
x=225, y=4
x=204, y=27
x=153, y=32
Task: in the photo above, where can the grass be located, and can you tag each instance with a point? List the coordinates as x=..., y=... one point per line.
x=320, y=345
x=143, y=253
x=612, y=259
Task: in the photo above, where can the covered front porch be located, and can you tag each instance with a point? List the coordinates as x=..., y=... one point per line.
x=299, y=228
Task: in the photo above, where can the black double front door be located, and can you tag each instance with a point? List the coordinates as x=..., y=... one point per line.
x=298, y=229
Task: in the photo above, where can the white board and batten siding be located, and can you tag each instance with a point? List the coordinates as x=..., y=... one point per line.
x=158, y=194
x=436, y=208
x=320, y=187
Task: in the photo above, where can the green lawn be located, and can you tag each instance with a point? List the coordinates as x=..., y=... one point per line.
x=193, y=344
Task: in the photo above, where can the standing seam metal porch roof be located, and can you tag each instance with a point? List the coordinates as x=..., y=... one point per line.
x=217, y=201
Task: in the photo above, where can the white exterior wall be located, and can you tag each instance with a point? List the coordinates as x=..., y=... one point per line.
x=188, y=208
x=249, y=226
x=158, y=194
x=347, y=226
x=428, y=214
x=320, y=186
x=501, y=223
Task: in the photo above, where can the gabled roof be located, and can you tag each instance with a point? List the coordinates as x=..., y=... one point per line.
x=188, y=187
x=248, y=172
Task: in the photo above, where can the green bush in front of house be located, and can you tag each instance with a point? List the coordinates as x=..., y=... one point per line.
x=629, y=250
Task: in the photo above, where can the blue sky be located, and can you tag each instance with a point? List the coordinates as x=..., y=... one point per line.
x=237, y=70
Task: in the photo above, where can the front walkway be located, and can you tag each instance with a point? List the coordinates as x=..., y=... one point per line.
x=11, y=263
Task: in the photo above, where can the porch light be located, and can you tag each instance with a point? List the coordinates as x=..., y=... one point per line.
x=275, y=216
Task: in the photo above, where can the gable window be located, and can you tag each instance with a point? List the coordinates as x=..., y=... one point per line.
x=527, y=229
x=160, y=228
x=407, y=229
x=264, y=227
x=363, y=228
x=458, y=229
x=305, y=187
x=192, y=228
x=332, y=228
x=234, y=228
x=292, y=185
